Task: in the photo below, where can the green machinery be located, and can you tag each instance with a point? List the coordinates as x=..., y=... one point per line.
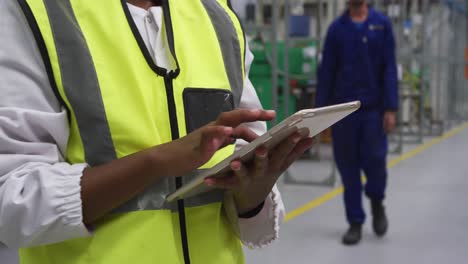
x=302, y=69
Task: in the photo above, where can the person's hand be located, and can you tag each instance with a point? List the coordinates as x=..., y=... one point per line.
x=252, y=182
x=186, y=154
x=389, y=122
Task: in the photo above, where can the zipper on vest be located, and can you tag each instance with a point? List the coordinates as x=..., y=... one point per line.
x=168, y=81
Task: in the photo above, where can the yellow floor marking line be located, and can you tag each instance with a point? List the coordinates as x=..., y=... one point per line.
x=337, y=191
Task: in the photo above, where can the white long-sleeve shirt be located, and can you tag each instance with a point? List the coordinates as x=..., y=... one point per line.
x=40, y=200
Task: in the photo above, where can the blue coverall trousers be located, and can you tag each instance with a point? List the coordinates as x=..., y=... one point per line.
x=360, y=143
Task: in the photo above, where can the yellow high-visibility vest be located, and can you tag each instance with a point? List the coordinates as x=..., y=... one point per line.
x=120, y=102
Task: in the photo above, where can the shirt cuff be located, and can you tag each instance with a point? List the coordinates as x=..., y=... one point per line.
x=49, y=211
x=261, y=230
x=68, y=207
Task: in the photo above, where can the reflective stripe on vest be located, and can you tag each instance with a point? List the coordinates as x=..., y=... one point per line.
x=230, y=48
x=118, y=105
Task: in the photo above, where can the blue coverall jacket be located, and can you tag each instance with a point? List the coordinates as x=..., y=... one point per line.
x=359, y=64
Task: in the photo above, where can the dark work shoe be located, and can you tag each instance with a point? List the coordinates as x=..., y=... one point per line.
x=353, y=235
x=379, y=221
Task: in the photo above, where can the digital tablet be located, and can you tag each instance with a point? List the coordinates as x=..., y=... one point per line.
x=314, y=120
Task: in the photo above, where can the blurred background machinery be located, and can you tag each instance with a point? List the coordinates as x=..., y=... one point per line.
x=286, y=38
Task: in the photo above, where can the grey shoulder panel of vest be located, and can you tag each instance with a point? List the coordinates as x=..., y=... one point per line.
x=42, y=50
x=229, y=43
x=80, y=82
x=242, y=26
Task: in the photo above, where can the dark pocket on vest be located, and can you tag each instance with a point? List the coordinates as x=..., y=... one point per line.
x=203, y=106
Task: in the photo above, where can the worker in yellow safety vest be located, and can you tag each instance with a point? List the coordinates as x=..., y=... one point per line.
x=106, y=107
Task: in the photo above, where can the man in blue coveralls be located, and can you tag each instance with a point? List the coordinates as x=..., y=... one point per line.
x=359, y=64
